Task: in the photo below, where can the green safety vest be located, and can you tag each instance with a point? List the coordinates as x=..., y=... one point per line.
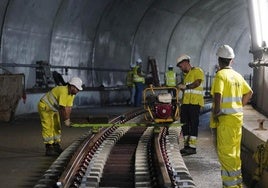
x=136, y=77
x=130, y=78
x=170, y=78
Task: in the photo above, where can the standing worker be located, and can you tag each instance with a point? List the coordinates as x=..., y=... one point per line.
x=170, y=77
x=53, y=107
x=230, y=93
x=192, y=101
x=130, y=85
x=139, y=81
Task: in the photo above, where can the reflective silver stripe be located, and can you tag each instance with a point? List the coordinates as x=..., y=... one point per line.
x=54, y=100
x=48, y=139
x=57, y=137
x=231, y=173
x=201, y=85
x=52, y=138
x=55, y=104
x=231, y=99
x=237, y=178
x=193, y=91
x=232, y=183
x=231, y=110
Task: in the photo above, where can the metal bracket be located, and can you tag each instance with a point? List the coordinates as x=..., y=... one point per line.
x=261, y=128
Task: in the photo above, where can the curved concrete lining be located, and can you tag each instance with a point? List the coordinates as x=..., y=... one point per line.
x=105, y=36
x=112, y=34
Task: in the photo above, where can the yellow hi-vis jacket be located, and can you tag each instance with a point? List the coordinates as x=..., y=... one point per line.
x=194, y=96
x=232, y=86
x=170, y=78
x=136, y=76
x=130, y=78
x=57, y=97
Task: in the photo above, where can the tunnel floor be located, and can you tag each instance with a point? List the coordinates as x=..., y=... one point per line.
x=23, y=160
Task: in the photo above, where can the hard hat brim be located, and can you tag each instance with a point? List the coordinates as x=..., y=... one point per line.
x=78, y=88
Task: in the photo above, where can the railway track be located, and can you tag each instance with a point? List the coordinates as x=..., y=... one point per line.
x=121, y=155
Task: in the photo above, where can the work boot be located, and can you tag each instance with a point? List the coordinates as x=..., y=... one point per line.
x=184, y=150
x=50, y=151
x=188, y=151
x=191, y=151
x=57, y=148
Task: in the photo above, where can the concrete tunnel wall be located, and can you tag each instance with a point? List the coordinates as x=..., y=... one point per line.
x=102, y=37
x=105, y=36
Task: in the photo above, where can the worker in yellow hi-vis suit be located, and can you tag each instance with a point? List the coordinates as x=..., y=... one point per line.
x=53, y=107
x=230, y=93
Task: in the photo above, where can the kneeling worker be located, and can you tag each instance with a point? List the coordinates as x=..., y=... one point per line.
x=54, y=106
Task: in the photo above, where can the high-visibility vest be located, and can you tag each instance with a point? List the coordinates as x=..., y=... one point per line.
x=170, y=78
x=130, y=78
x=136, y=77
x=57, y=97
x=51, y=101
x=232, y=86
x=194, y=96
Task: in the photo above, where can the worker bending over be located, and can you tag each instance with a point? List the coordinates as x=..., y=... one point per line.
x=55, y=106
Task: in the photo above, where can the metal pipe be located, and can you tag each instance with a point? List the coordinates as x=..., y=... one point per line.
x=258, y=64
x=65, y=67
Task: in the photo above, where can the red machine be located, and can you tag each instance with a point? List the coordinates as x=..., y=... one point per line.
x=162, y=104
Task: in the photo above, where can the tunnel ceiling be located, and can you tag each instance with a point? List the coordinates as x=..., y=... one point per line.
x=100, y=39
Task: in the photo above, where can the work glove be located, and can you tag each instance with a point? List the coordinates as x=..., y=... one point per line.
x=67, y=123
x=182, y=86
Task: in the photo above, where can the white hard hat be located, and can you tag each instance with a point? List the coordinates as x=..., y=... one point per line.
x=183, y=57
x=170, y=66
x=225, y=51
x=77, y=82
x=139, y=60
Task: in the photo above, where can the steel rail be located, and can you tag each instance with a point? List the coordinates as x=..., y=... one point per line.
x=76, y=170
x=164, y=177
x=72, y=170
x=79, y=157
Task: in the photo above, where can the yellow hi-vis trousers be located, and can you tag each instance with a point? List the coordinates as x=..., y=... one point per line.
x=229, y=134
x=50, y=121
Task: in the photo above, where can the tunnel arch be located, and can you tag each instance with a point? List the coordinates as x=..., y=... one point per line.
x=101, y=38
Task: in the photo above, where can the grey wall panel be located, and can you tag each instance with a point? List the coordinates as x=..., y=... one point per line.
x=111, y=34
x=153, y=36
x=155, y=31
x=74, y=33
x=26, y=34
x=206, y=26
x=114, y=40
x=3, y=8
x=230, y=27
